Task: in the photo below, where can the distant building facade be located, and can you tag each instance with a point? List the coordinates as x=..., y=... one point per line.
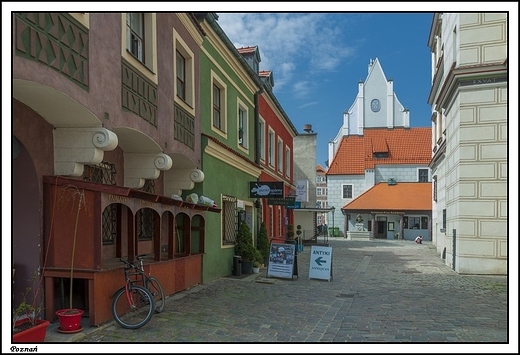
x=321, y=193
x=469, y=140
x=376, y=144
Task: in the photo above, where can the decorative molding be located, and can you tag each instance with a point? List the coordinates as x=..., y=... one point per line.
x=55, y=40
x=75, y=147
x=142, y=166
x=138, y=94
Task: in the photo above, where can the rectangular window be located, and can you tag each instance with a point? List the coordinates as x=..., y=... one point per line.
x=104, y=173
x=424, y=222
x=181, y=75
x=271, y=148
x=423, y=175
x=242, y=126
x=229, y=219
x=280, y=156
x=261, y=138
x=287, y=162
x=219, y=113
x=184, y=74
x=318, y=191
x=414, y=223
x=217, y=122
x=280, y=222
x=271, y=221
x=347, y=191
x=109, y=224
x=444, y=219
x=135, y=34
x=145, y=225
x=435, y=188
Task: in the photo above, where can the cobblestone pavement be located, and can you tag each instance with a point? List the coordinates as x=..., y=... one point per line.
x=382, y=291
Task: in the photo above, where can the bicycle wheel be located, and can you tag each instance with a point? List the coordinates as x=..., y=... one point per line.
x=154, y=286
x=134, y=311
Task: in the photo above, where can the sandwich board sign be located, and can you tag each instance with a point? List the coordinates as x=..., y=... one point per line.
x=320, y=263
x=282, y=261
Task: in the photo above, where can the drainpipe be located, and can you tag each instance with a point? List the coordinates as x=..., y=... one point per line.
x=257, y=122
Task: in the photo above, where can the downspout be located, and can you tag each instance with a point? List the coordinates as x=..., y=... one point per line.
x=257, y=122
x=258, y=206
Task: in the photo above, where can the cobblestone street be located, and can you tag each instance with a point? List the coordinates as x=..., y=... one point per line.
x=384, y=291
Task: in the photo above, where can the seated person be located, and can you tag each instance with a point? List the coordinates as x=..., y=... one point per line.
x=419, y=239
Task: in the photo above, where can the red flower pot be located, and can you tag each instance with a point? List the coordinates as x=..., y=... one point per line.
x=35, y=334
x=70, y=319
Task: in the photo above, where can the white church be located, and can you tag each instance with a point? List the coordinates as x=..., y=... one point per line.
x=376, y=161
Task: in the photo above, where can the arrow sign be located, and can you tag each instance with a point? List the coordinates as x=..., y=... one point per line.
x=320, y=266
x=320, y=261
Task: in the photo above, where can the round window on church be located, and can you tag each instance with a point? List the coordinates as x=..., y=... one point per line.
x=375, y=105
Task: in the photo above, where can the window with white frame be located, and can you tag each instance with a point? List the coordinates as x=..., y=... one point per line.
x=229, y=219
x=180, y=73
x=218, y=99
x=242, y=125
x=279, y=149
x=287, y=161
x=184, y=74
x=346, y=191
x=271, y=147
x=261, y=138
x=435, y=188
x=135, y=34
x=139, y=38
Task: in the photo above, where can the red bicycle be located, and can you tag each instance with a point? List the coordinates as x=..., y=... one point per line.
x=132, y=305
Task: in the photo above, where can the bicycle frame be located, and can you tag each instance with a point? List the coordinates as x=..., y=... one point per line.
x=137, y=298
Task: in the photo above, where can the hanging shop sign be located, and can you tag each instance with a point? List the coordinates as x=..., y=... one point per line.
x=287, y=201
x=265, y=189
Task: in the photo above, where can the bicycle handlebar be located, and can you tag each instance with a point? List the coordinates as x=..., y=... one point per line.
x=128, y=264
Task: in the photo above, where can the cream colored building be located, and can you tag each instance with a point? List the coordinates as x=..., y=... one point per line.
x=469, y=140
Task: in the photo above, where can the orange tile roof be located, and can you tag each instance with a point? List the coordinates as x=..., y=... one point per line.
x=403, y=196
x=320, y=169
x=403, y=146
x=249, y=49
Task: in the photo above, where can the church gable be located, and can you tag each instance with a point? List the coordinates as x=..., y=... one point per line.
x=375, y=106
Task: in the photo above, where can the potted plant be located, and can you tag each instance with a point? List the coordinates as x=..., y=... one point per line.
x=262, y=243
x=290, y=232
x=256, y=267
x=70, y=318
x=245, y=248
x=28, y=327
x=300, y=241
x=257, y=262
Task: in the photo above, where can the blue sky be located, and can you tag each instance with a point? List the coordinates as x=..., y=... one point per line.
x=317, y=60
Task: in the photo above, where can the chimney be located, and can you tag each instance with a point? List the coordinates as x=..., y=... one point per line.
x=307, y=128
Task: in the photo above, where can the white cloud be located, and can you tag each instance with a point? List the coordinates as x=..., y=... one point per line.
x=292, y=45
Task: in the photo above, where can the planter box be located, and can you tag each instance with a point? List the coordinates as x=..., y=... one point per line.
x=34, y=334
x=247, y=267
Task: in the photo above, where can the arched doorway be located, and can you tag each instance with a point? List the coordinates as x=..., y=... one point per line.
x=26, y=228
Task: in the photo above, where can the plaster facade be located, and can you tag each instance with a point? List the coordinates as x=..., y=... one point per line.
x=470, y=134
